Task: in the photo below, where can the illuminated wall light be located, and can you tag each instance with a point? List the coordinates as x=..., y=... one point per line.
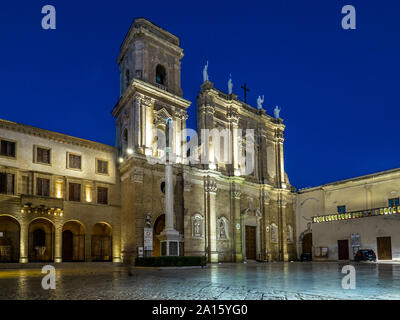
x=213, y=166
x=129, y=151
x=88, y=191
x=237, y=172
x=59, y=185
x=120, y=160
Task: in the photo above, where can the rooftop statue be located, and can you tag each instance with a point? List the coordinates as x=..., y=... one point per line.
x=205, y=73
x=260, y=102
x=230, y=84
x=276, y=112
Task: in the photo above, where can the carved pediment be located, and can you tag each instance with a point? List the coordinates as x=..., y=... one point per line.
x=161, y=116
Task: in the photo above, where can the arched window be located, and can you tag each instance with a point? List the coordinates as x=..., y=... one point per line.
x=161, y=75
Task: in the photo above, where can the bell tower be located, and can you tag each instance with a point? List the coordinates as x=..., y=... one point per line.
x=150, y=90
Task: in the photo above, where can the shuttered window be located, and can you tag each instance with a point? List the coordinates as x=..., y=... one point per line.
x=7, y=148
x=74, y=192
x=102, y=166
x=102, y=195
x=43, y=155
x=43, y=187
x=6, y=183
x=74, y=161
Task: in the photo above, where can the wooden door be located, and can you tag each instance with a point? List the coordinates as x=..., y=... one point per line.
x=343, y=249
x=307, y=243
x=250, y=243
x=384, y=248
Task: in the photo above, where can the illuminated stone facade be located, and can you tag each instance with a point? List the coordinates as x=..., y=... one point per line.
x=72, y=208
x=37, y=207
x=215, y=204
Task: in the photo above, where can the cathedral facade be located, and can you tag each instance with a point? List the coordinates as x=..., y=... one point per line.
x=219, y=209
x=68, y=199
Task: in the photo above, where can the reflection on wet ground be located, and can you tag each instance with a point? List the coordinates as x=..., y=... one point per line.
x=307, y=280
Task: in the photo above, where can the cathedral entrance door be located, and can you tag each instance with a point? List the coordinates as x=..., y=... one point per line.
x=250, y=243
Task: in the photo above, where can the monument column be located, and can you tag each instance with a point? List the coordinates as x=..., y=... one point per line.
x=169, y=237
x=169, y=192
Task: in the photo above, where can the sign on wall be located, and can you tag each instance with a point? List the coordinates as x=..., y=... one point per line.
x=148, y=239
x=355, y=240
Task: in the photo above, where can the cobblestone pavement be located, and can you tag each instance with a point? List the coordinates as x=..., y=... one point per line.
x=254, y=281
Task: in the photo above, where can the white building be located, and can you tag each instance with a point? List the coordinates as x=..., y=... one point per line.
x=337, y=219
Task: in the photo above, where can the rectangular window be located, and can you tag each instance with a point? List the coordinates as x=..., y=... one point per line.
x=341, y=209
x=74, y=161
x=43, y=155
x=6, y=183
x=102, y=166
x=7, y=148
x=43, y=187
x=74, y=192
x=102, y=195
x=394, y=202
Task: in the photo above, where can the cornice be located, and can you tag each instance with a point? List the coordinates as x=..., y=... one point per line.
x=55, y=136
x=142, y=87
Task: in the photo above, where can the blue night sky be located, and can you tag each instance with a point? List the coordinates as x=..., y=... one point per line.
x=338, y=89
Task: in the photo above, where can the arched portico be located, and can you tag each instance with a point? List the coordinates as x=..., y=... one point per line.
x=41, y=239
x=9, y=239
x=101, y=242
x=73, y=241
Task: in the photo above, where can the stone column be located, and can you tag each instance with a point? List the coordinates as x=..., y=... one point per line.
x=236, y=194
x=88, y=247
x=183, y=135
x=23, y=246
x=137, y=123
x=148, y=125
x=211, y=192
x=58, y=241
x=280, y=165
x=266, y=225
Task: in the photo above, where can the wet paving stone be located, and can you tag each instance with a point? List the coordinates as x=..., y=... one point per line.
x=252, y=281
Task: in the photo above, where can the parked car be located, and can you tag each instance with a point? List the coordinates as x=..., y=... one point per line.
x=306, y=257
x=365, y=255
